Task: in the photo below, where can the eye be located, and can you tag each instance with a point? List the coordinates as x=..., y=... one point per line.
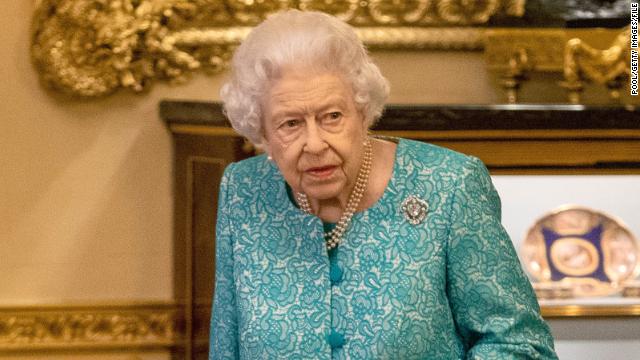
x=335, y=115
x=291, y=123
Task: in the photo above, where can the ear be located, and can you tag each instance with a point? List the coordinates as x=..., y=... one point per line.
x=267, y=151
x=264, y=147
x=365, y=123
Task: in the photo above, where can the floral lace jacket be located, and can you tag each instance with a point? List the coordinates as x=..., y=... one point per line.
x=447, y=286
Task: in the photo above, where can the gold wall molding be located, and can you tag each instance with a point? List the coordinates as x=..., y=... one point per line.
x=414, y=38
x=90, y=48
x=116, y=326
x=567, y=311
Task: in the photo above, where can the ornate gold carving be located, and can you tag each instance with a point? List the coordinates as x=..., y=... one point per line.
x=544, y=48
x=97, y=327
x=517, y=72
x=453, y=38
x=416, y=12
x=609, y=67
x=93, y=47
x=516, y=52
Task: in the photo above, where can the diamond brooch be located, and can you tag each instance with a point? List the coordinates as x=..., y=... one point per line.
x=414, y=209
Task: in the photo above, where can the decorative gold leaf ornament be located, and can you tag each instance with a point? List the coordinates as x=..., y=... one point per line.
x=518, y=52
x=609, y=66
x=91, y=48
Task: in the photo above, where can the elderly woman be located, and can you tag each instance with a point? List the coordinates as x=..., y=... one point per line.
x=337, y=244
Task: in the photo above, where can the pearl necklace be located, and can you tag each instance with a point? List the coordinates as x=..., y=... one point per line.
x=334, y=237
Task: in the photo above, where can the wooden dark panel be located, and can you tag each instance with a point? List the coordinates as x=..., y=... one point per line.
x=199, y=162
x=206, y=175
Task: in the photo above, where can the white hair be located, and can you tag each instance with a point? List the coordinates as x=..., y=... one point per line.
x=297, y=38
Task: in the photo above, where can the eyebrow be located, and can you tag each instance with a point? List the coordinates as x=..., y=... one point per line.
x=332, y=102
x=284, y=113
x=329, y=102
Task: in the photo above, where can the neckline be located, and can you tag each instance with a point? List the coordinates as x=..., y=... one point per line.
x=387, y=191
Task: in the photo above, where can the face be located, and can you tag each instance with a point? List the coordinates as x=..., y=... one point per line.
x=314, y=133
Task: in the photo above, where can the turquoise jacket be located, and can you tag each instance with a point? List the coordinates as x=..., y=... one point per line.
x=448, y=287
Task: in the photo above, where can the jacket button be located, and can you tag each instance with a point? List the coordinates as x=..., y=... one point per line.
x=335, y=273
x=335, y=339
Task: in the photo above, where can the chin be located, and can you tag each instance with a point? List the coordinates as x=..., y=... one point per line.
x=323, y=192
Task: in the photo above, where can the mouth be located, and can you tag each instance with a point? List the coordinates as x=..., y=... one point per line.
x=321, y=171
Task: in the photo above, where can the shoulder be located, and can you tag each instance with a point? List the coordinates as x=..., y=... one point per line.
x=251, y=169
x=244, y=179
x=431, y=169
x=437, y=158
x=464, y=177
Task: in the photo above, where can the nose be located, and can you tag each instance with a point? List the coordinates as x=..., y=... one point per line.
x=315, y=142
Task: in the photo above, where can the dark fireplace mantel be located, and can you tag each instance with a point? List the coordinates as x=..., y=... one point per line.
x=450, y=117
x=528, y=138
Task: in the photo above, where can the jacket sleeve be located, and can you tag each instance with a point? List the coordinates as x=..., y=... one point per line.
x=223, y=338
x=493, y=303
